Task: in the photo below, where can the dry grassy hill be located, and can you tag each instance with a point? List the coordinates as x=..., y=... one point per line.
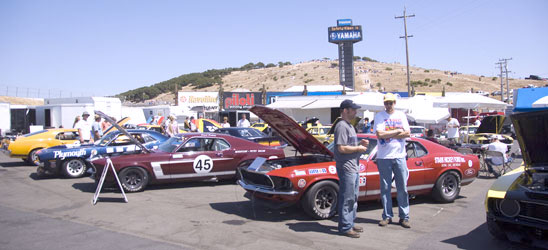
x=22, y=101
x=368, y=76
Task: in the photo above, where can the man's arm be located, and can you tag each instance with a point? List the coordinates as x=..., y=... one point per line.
x=389, y=134
x=347, y=149
x=403, y=135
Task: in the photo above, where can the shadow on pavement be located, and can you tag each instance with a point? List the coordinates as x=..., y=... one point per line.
x=480, y=239
x=258, y=212
x=87, y=187
x=312, y=227
x=15, y=164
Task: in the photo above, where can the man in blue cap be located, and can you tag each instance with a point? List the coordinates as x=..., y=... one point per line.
x=347, y=155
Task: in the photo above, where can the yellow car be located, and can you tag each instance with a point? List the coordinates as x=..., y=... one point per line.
x=490, y=125
x=321, y=133
x=260, y=126
x=26, y=146
x=517, y=203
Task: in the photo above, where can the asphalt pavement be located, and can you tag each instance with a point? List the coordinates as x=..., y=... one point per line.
x=56, y=213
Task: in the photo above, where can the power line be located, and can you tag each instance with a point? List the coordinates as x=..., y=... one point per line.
x=406, y=47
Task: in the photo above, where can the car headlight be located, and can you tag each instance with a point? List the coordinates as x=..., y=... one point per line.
x=509, y=208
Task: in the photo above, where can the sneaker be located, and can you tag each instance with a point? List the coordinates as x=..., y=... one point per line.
x=357, y=229
x=405, y=223
x=352, y=234
x=385, y=222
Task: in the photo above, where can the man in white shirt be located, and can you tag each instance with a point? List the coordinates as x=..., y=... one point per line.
x=225, y=123
x=84, y=129
x=243, y=123
x=392, y=127
x=452, y=129
x=496, y=145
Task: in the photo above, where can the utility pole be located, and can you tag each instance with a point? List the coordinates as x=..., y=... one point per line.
x=505, y=60
x=406, y=48
x=501, y=81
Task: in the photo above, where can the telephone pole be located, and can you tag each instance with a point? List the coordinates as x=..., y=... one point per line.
x=501, y=81
x=406, y=48
x=505, y=60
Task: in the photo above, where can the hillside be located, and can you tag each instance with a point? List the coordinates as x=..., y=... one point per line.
x=369, y=76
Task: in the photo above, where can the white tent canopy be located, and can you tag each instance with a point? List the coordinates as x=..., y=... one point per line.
x=421, y=110
x=468, y=101
x=541, y=103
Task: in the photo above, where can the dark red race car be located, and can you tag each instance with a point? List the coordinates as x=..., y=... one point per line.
x=311, y=178
x=186, y=157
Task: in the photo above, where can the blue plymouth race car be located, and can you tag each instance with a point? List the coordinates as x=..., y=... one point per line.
x=72, y=159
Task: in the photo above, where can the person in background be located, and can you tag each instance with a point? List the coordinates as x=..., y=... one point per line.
x=452, y=130
x=392, y=127
x=243, y=123
x=172, y=126
x=187, y=125
x=366, y=125
x=193, y=127
x=225, y=123
x=496, y=145
x=96, y=128
x=430, y=136
x=477, y=122
x=76, y=120
x=84, y=129
x=105, y=125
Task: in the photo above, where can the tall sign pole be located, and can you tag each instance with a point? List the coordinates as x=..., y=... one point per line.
x=345, y=35
x=406, y=48
x=505, y=60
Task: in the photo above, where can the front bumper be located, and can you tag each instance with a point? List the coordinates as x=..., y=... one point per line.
x=521, y=231
x=264, y=190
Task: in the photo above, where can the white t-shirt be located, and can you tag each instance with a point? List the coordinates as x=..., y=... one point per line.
x=453, y=128
x=243, y=123
x=85, y=126
x=225, y=125
x=500, y=147
x=391, y=148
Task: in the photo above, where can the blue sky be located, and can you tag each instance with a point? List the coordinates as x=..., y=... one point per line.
x=107, y=47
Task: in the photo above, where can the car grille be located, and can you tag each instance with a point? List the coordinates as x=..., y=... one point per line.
x=534, y=211
x=537, y=196
x=255, y=178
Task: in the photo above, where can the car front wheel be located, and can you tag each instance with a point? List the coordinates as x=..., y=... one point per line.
x=133, y=179
x=447, y=187
x=320, y=201
x=74, y=168
x=33, y=158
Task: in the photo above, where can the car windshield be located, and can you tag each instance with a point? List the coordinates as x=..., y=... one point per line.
x=249, y=132
x=472, y=130
x=169, y=145
x=416, y=130
x=105, y=139
x=34, y=133
x=324, y=130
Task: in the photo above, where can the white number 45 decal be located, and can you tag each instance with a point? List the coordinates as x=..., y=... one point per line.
x=202, y=164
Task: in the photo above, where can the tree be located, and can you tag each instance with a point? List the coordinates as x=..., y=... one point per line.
x=259, y=65
x=270, y=65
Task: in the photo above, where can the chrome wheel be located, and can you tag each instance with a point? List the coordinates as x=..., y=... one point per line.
x=326, y=198
x=74, y=168
x=449, y=185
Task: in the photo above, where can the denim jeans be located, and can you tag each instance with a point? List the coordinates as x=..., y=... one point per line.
x=401, y=173
x=347, y=202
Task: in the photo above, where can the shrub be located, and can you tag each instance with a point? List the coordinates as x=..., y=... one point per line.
x=388, y=68
x=427, y=80
x=449, y=84
x=367, y=59
x=334, y=65
x=275, y=78
x=379, y=84
x=426, y=71
x=305, y=74
x=494, y=78
x=308, y=80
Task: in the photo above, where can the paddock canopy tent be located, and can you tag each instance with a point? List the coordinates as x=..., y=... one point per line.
x=530, y=99
x=373, y=101
x=422, y=110
x=468, y=101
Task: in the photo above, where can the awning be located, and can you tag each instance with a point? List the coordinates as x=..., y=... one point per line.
x=526, y=97
x=288, y=104
x=541, y=103
x=469, y=101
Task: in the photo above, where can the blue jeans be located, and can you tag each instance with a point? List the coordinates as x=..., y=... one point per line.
x=401, y=173
x=347, y=202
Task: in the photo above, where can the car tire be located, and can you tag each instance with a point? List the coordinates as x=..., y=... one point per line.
x=33, y=158
x=74, y=168
x=495, y=230
x=447, y=187
x=133, y=179
x=325, y=143
x=320, y=201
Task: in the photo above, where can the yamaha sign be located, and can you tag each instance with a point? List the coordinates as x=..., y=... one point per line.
x=345, y=35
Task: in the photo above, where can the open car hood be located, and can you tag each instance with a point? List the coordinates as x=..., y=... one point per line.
x=532, y=133
x=491, y=124
x=291, y=131
x=122, y=130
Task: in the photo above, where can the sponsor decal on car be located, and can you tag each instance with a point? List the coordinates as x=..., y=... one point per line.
x=450, y=161
x=362, y=168
x=317, y=171
x=299, y=172
x=363, y=180
x=301, y=183
x=332, y=170
x=62, y=155
x=470, y=163
x=469, y=172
